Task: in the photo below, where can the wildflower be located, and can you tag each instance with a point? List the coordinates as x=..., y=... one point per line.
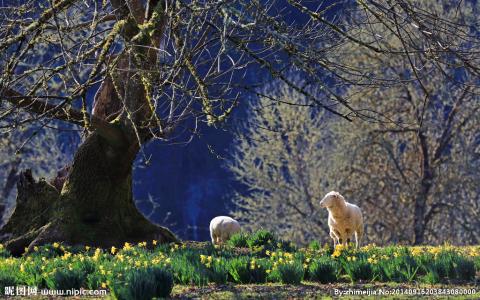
x=267, y=252
x=87, y=248
x=113, y=250
x=56, y=245
x=66, y=255
x=35, y=248
x=154, y=242
x=435, y=251
x=268, y=271
x=104, y=285
x=416, y=251
x=97, y=253
x=127, y=246
x=336, y=253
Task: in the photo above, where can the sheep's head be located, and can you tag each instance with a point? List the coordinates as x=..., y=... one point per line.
x=332, y=199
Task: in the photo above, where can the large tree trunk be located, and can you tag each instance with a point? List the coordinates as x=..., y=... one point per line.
x=94, y=207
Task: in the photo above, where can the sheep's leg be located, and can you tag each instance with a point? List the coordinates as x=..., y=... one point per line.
x=335, y=239
x=358, y=237
x=214, y=237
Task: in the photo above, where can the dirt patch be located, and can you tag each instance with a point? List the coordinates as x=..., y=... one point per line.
x=310, y=290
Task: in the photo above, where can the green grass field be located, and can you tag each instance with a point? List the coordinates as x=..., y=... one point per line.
x=249, y=265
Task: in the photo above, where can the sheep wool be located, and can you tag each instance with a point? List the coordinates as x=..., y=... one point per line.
x=222, y=228
x=344, y=219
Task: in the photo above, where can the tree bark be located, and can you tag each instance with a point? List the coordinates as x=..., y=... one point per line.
x=422, y=195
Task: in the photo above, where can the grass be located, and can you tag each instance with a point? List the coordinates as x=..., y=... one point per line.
x=256, y=264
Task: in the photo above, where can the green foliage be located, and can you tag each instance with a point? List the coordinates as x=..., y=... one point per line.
x=218, y=272
x=447, y=265
x=289, y=273
x=64, y=279
x=261, y=238
x=137, y=272
x=239, y=239
x=464, y=269
x=4, y=252
x=315, y=245
x=7, y=279
x=431, y=277
x=187, y=269
x=359, y=269
x=247, y=270
x=323, y=270
x=477, y=263
x=399, y=269
x=144, y=284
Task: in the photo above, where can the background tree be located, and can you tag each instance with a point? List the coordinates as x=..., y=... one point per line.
x=280, y=155
x=410, y=168
x=411, y=155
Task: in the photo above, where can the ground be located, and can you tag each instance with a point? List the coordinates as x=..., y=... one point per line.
x=312, y=290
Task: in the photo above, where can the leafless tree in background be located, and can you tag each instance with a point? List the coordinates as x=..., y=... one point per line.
x=411, y=156
x=165, y=66
x=280, y=156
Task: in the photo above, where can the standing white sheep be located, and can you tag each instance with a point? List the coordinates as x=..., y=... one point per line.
x=344, y=219
x=222, y=228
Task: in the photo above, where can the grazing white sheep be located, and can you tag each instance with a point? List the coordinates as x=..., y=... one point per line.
x=222, y=228
x=344, y=219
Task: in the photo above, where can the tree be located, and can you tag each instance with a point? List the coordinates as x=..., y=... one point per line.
x=37, y=149
x=280, y=155
x=410, y=157
x=163, y=67
x=421, y=151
